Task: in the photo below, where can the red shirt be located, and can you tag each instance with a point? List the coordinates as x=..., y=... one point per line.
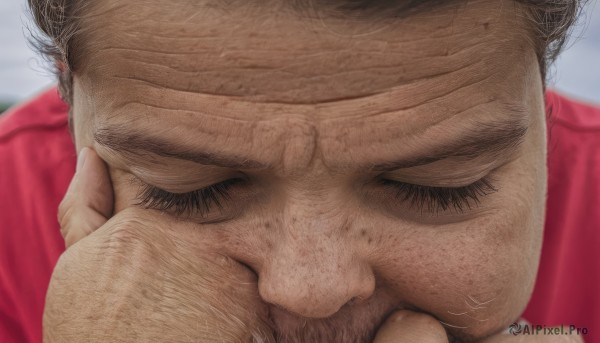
x=567, y=289
x=37, y=161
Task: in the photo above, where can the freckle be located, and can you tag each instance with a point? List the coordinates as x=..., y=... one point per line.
x=370, y=240
x=267, y=225
x=486, y=26
x=346, y=228
x=363, y=232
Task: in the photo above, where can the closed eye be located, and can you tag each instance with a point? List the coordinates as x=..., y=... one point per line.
x=438, y=199
x=431, y=199
x=197, y=202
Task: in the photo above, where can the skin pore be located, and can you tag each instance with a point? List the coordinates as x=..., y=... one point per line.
x=311, y=112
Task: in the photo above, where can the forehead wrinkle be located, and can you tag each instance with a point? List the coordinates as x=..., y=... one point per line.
x=369, y=106
x=381, y=47
x=242, y=58
x=374, y=105
x=154, y=70
x=235, y=108
x=122, y=109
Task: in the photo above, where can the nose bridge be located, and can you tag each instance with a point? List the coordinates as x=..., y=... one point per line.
x=309, y=213
x=313, y=270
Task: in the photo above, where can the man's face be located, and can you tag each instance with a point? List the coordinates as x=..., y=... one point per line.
x=356, y=165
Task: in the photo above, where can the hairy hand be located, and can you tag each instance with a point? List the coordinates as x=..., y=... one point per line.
x=129, y=280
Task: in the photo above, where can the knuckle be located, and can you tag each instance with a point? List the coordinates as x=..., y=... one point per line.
x=65, y=220
x=64, y=207
x=80, y=220
x=72, y=237
x=69, y=240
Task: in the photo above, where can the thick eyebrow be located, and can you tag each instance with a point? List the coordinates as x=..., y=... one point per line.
x=485, y=138
x=365, y=9
x=131, y=142
x=382, y=9
x=489, y=138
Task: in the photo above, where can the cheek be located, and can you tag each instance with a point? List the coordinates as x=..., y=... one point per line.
x=476, y=276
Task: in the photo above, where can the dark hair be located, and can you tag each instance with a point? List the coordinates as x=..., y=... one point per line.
x=57, y=21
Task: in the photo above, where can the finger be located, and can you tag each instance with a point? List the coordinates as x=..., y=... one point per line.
x=406, y=326
x=81, y=222
x=88, y=203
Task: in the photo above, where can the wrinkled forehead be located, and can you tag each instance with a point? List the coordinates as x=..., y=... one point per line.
x=277, y=53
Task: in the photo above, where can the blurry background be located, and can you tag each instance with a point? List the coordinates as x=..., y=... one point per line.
x=22, y=73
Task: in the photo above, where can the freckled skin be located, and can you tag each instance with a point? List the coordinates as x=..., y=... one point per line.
x=331, y=253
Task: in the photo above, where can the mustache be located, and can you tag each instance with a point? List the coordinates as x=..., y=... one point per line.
x=359, y=322
x=353, y=323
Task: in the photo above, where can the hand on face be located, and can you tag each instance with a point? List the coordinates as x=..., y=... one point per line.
x=130, y=280
x=126, y=279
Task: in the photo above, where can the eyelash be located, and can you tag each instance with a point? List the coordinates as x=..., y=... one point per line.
x=196, y=202
x=438, y=199
x=435, y=198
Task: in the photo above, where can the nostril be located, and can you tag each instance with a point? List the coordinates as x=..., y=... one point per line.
x=247, y=266
x=282, y=311
x=356, y=300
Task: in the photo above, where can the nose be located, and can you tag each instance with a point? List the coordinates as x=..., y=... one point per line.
x=314, y=278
